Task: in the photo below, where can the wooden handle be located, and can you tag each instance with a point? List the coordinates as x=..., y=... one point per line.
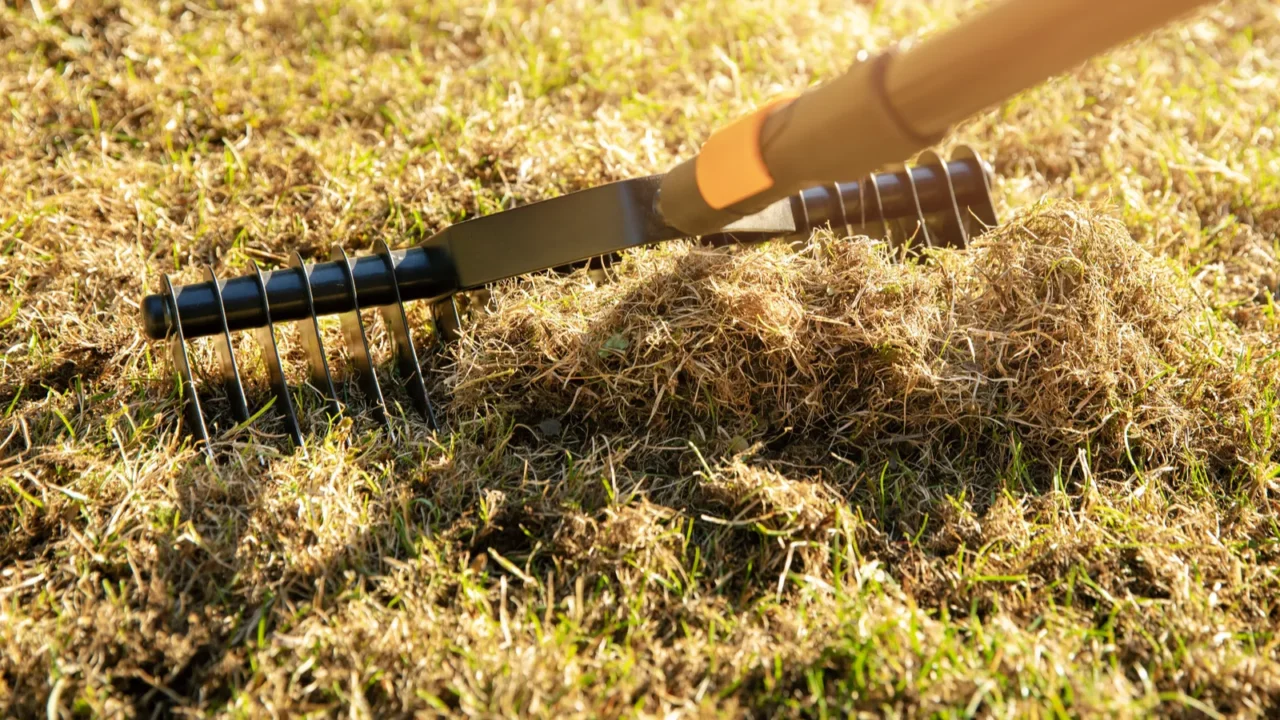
x=887, y=109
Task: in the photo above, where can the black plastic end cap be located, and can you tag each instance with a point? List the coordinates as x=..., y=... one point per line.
x=155, y=317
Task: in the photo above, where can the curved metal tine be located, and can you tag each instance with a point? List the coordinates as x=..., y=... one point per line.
x=884, y=227
x=597, y=270
x=309, y=328
x=862, y=204
x=800, y=209
x=954, y=222
x=447, y=320
x=358, y=344
x=226, y=358
x=266, y=336
x=402, y=340
x=896, y=226
x=844, y=217
x=178, y=352
x=983, y=209
x=915, y=200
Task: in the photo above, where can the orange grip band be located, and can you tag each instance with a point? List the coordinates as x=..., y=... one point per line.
x=730, y=167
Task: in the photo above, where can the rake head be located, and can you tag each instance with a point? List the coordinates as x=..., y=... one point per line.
x=935, y=203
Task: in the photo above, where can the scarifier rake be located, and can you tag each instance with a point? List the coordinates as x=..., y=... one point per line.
x=796, y=163
x=934, y=203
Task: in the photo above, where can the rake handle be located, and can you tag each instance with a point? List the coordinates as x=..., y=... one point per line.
x=885, y=110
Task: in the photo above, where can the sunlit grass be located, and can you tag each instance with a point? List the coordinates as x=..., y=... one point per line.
x=796, y=541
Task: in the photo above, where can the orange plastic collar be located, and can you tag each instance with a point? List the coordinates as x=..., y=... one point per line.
x=730, y=167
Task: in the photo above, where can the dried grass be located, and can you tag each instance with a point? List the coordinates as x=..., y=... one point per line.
x=1037, y=477
x=1057, y=329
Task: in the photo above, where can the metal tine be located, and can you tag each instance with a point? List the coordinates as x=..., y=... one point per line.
x=226, y=358
x=803, y=224
x=915, y=199
x=895, y=228
x=844, y=217
x=402, y=341
x=862, y=206
x=358, y=345
x=266, y=336
x=178, y=352
x=800, y=210
x=954, y=223
x=596, y=269
x=447, y=319
x=309, y=328
x=880, y=219
x=983, y=210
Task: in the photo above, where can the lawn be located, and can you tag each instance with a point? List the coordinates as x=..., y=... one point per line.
x=1039, y=476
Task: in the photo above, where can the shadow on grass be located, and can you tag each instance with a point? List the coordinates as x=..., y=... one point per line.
x=112, y=517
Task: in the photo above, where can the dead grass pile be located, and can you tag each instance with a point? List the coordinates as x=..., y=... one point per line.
x=1056, y=329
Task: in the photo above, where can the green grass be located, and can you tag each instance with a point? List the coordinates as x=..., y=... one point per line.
x=1034, y=478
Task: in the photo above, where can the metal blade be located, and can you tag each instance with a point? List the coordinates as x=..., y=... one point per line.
x=571, y=228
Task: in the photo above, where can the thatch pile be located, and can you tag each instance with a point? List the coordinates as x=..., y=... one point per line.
x=1056, y=329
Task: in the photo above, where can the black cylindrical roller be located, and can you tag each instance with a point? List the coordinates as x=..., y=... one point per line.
x=419, y=275
x=932, y=191
x=932, y=186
